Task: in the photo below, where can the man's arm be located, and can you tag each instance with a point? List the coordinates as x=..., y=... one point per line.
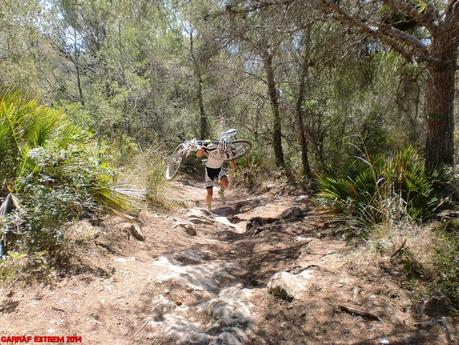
x=233, y=164
x=200, y=153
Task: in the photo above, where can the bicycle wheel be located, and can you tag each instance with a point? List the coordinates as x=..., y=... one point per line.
x=240, y=148
x=175, y=160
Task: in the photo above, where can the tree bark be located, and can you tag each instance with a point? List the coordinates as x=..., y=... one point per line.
x=76, y=51
x=439, y=147
x=299, y=108
x=274, y=98
x=202, y=113
x=204, y=129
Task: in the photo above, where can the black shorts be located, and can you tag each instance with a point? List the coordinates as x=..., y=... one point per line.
x=212, y=175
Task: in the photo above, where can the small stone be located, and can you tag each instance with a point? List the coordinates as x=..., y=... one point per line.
x=384, y=341
x=302, y=198
x=188, y=227
x=246, y=208
x=437, y=305
x=287, y=286
x=292, y=212
x=136, y=232
x=200, y=220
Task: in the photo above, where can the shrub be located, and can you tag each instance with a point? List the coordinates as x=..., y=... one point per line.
x=254, y=167
x=25, y=125
x=50, y=171
x=376, y=189
x=142, y=175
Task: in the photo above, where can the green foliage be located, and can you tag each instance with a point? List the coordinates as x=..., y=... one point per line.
x=51, y=170
x=254, y=167
x=379, y=188
x=27, y=267
x=25, y=125
x=446, y=263
x=156, y=181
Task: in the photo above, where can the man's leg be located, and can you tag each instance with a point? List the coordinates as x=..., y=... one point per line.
x=223, y=185
x=209, y=186
x=210, y=192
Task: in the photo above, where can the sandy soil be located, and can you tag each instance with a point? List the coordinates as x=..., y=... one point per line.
x=211, y=288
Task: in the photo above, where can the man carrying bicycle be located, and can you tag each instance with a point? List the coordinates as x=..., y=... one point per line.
x=214, y=168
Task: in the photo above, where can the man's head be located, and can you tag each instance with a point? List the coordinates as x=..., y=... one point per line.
x=224, y=144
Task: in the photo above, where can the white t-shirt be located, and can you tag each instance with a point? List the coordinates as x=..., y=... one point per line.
x=214, y=163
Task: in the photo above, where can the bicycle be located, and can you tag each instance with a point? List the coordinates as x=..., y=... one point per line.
x=238, y=148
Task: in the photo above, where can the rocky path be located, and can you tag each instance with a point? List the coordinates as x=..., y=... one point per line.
x=262, y=269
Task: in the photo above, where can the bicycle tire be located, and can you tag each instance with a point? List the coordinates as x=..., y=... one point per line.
x=240, y=148
x=174, y=161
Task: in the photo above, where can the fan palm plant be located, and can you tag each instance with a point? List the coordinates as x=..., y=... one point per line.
x=25, y=125
x=372, y=186
x=26, y=129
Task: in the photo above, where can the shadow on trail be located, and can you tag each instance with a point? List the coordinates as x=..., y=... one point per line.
x=240, y=207
x=256, y=258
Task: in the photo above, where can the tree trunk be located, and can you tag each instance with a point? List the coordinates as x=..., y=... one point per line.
x=299, y=109
x=77, y=66
x=202, y=114
x=439, y=149
x=204, y=131
x=273, y=96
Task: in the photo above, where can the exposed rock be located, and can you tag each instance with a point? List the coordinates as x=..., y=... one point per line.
x=235, y=219
x=187, y=257
x=161, y=306
x=270, y=186
x=247, y=208
x=200, y=220
x=135, y=231
x=188, y=227
x=437, y=305
x=255, y=223
x=303, y=239
x=231, y=314
x=206, y=276
x=231, y=308
x=287, y=286
x=292, y=212
x=302, y=198
x=200, y=216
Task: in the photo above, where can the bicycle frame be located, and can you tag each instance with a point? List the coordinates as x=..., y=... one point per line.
x=197, y=144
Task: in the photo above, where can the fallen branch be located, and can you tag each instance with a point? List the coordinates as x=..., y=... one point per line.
x=394, y=254
x=449, y=330
x=142, y=327
x=363, y=313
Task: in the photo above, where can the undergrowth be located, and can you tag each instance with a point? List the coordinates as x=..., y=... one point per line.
x=52, y=174
x=446, y=261
x=375, y=189
x=254, y=168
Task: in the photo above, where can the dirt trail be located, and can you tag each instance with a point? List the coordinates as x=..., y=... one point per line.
x=201, y=278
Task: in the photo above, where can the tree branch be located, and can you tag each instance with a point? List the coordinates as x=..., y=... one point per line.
x=427, y=19
x=396, y=39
